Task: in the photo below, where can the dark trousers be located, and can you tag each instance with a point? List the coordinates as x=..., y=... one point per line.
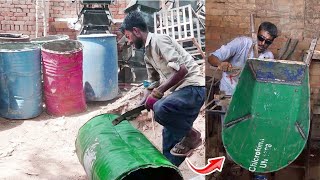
x=176, y=113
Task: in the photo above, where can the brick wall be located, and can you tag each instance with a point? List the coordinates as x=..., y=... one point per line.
x=19, y=16
x=226, y=19
x=16, y=17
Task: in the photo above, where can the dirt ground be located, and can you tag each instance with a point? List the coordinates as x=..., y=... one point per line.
x=44, y=147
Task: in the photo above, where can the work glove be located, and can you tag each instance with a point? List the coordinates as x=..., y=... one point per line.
x=150, y=102
x=153, y=98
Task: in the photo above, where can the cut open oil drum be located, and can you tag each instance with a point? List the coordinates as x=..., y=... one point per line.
x=120, y=152
x=267, y=123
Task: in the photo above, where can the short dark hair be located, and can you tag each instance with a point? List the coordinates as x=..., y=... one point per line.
x=134, y=19
x=270, y=27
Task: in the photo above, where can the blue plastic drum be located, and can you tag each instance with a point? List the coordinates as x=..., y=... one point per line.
x=20, y=81
x=100, y=66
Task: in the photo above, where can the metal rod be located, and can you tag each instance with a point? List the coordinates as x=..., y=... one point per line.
x=215, y=112
x=44, y=16
x=303, y=135
x=37, y=26
x=233, y=122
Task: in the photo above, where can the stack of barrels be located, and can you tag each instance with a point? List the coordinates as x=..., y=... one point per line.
x=56, y=73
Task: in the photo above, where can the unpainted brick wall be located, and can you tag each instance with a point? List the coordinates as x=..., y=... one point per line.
x=227, y=19
x=19, y=16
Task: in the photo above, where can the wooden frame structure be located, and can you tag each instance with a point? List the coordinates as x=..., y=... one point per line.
x=183, y=25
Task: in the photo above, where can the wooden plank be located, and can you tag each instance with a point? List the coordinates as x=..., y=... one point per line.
x=254, y=36
x=199, y=48
x=284, y=48
x=198, y=32
x=311, y=50
x=292, y=46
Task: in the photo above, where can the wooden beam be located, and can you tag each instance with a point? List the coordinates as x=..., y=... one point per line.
x=254, y=36
x=311, y=50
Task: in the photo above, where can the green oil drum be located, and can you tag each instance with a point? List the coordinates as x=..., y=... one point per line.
x=267, y=123
x=120, y=152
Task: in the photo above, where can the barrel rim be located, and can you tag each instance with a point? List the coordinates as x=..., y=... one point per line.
x=80, y=48
x=22, y=36
x=59, y=37
x=96, y=35
x=147, y=166
x=34, y=47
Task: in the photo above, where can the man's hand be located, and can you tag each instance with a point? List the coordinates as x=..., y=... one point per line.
x=151, y=100
x=225, y=66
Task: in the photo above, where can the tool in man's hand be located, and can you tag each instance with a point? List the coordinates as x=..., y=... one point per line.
x=132, y=112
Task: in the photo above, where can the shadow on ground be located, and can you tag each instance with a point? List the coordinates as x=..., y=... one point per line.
x=6, y=124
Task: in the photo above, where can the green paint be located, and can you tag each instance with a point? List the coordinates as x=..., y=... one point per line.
x=269, y=140
x=120, y=152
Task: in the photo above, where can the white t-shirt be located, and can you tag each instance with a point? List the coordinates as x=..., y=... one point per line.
x=236, y=52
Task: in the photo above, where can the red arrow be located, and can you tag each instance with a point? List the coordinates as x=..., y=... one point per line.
x=213, y=165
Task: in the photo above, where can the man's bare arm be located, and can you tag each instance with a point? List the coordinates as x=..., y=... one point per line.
x=222, y=65
x=174, y=79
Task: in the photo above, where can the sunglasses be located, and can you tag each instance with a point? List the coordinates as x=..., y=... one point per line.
x=262, y=38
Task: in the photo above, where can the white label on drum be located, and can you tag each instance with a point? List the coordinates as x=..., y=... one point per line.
x=260, y=158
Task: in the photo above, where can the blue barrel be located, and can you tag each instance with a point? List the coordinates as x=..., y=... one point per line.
x=20, y=81
x=100, y=66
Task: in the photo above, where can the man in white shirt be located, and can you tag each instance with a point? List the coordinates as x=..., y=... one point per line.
x=236, y=52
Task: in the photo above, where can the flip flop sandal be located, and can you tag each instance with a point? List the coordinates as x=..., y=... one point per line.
x=185, y=148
